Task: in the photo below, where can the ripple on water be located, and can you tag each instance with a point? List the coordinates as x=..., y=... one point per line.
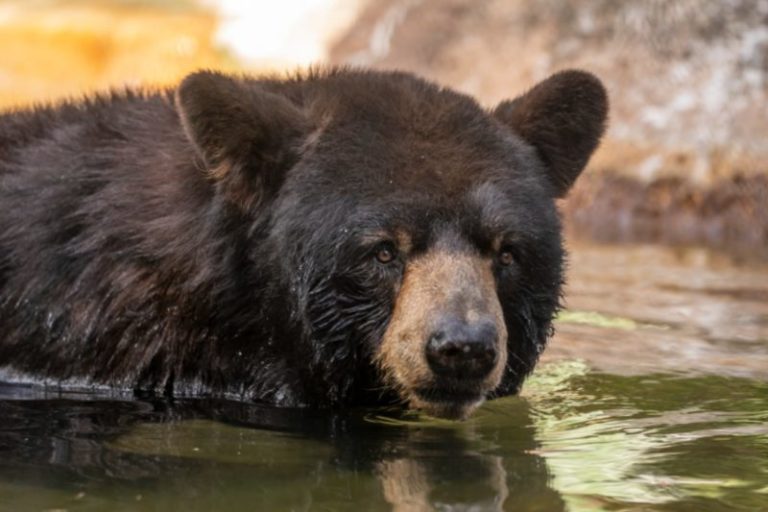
x=672, y=441
x=576, y=440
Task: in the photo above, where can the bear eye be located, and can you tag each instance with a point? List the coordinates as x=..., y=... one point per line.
x=506, y=257
x=386, y=252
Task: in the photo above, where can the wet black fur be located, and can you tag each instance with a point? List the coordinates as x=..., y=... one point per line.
x=220, y=238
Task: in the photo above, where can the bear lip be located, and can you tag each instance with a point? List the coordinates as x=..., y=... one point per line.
x=447, y=409
x=447, y=403
x=449, y=395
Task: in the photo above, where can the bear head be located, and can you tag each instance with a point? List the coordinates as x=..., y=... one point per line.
x=417, y=238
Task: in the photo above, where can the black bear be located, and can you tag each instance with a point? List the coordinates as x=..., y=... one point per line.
x=342, y=237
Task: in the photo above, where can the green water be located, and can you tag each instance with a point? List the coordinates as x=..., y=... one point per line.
x=652, y=397
x=577, y=440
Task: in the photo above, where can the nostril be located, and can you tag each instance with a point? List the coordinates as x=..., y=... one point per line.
x=474, y=349
x=435, y=342
x=438, y=336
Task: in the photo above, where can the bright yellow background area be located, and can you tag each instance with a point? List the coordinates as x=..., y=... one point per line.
x=54, y=49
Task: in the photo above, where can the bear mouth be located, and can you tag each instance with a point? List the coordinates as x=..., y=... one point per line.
x=447, y=403
x=435, y=394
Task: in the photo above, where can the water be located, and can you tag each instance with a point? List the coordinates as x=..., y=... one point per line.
x=653, y=397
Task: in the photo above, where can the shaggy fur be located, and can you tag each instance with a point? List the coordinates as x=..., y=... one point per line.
x=221, y=237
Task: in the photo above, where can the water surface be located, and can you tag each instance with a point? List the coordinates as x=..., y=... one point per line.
x=653, y=396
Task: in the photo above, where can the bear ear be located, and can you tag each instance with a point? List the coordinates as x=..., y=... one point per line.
x=245, y=135
x=563, y=117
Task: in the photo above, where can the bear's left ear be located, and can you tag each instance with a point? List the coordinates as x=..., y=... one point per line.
x=245, y=135
x=563, y=117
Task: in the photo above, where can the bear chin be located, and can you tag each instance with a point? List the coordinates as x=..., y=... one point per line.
x=446, y=404
x=445, y=409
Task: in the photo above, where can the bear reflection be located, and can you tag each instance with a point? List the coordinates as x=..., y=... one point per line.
x=225, y=455
x=472, y=482
x=486, y=465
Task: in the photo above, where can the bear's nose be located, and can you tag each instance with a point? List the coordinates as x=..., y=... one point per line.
x=462, y=350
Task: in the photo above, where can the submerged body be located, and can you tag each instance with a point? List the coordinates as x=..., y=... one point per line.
x=340, y=238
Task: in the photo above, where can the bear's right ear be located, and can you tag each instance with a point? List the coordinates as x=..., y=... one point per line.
x=246, y=136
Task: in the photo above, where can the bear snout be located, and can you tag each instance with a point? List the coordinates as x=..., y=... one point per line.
x=445, y=347
x=463, y=350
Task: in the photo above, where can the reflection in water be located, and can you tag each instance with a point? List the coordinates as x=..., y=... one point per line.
x=409, y=485
x=153, y=454
x=465, y=467
x=681, y=443
x=578, y=440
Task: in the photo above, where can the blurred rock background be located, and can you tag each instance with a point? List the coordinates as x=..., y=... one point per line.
x=685, y=160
